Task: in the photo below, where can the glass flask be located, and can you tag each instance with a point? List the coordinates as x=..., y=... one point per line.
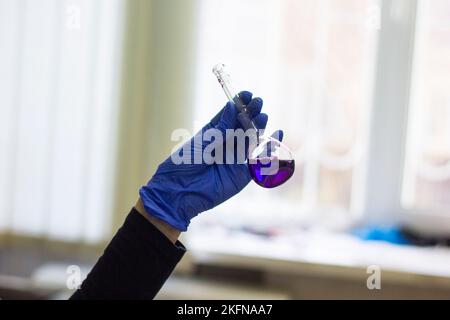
x=270, y=162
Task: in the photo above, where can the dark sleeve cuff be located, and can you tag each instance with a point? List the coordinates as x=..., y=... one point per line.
x=135, y=264
x=151, y=235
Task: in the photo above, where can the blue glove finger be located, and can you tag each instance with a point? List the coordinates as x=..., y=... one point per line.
x=228, y=119
x=261, y=120
x=246, y=97
x=255, y=106
x=279, y=134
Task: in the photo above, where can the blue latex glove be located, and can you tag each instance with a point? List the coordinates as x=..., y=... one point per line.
x=178, y=193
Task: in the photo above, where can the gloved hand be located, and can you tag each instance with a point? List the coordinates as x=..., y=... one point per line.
x=179, y=192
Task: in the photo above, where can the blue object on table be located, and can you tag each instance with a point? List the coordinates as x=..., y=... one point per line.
x=379, y=233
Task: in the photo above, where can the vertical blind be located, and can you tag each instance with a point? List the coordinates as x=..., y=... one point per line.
x=58, y=106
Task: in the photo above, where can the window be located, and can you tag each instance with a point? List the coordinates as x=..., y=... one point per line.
x=313, y=63
x=427, y=174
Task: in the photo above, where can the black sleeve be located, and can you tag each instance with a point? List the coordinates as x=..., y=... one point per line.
x=135, y=264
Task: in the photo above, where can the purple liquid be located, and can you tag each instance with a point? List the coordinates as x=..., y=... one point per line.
x=275, y=178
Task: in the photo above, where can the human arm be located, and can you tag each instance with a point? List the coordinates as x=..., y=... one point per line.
x=145, y=250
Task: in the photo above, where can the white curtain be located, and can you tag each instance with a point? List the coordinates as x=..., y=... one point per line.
x=59, y=66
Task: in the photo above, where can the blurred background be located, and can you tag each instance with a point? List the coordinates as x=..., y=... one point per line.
x=91, y=90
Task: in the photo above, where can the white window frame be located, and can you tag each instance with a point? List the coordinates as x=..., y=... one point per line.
x=382, y=194
x=382, y=175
